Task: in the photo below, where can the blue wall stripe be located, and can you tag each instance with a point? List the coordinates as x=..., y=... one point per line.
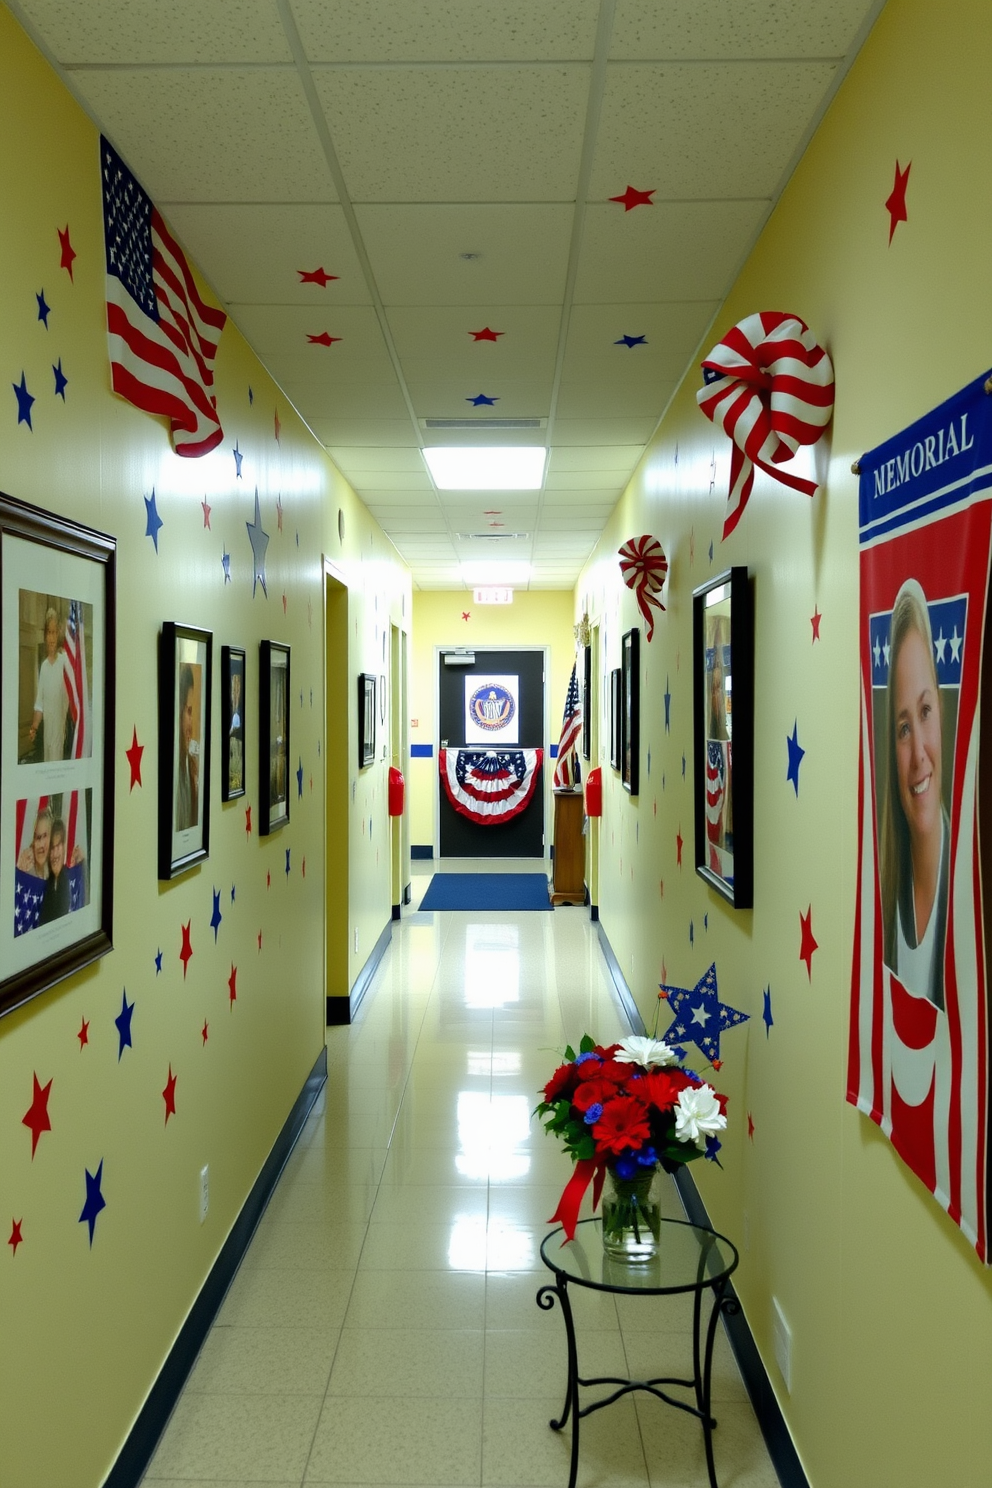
x=421, y=751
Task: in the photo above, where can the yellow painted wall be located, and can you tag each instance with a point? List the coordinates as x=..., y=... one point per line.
x=85, y=1330
x=891, y=1311
x=541, y=618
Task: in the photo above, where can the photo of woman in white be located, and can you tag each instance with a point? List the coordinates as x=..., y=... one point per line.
x=51, y=703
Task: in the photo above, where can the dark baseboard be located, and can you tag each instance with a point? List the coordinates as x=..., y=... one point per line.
x=407, y=894
x=153, y=1417
x=594, y=913
x=396, y=911
x=368, y=971
x=422, y=850
x=781, y=1448
x=338, y=1011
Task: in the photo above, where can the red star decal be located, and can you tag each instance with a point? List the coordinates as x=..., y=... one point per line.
x=895, y=203
x=68, y=252
x=248, y=820
x=466, y=614
x=203, y=1031
x=279, y=511
x=232, y=985
x=311, y=784
x=268, y=880
x=809, y=945
x=187, y=950
x=662, y=994
x=284, y=601
x=678, y=846
x=315, y=276
x=655, y=805
x=324, y=339
x=277, y=425
x=633, y=198
x=750, y=1127
x=661, y=888
x=169, y=1096
x=16, y=1238
x=206, y=514
x=259, y=940
x=36, y=1116
x=492, y=513
x=133, y=757
x=84, y=1033
x=814, y=620
x=486, y=334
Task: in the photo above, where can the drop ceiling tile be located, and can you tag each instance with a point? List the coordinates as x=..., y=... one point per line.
x=390, y=480
x=610, y=482
x=415, y=251
x=666, y=127
x=282, y=331
x=596, y=498
x=457, y=134
x=506, y=505
x=599, y=399
x=445, y=30
x=364, y=461
x=212, y=134
x=342, y=399
x=443, y=335
x=580, y=431
x=579, y=519
x=409, y=519
x=375, y=495
x=672, y=334
x=520, y=518
x=748, y=28
x=284, y=239
x=390, y=433
x=671, y=251
x=595, y=457
x=451, y=399
x=182, y=31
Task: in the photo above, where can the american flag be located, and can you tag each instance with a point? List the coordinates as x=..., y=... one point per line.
x=76, y=681
x=29, y=891
x=567, y=768
x=163, y=338
x=490, y=786
x=716, y=789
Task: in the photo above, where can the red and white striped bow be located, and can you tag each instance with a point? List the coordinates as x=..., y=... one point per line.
x=643, y=566
x=772, y=388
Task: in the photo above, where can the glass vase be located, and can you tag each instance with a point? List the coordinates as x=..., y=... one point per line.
x=632, y=1215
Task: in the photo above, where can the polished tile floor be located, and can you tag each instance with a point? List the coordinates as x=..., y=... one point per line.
x=383, y=1326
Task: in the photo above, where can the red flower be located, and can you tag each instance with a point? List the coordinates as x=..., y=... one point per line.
x=591, y=1092
x=561, y=1084
x=661, y=1087
x=623, y=1124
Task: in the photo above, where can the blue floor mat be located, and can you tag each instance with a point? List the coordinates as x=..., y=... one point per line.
x=476, y=891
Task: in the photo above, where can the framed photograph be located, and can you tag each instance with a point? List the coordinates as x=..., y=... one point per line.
x=586, y=686
x=232, y=722
x=616, y=694
x=57, y=627
x=630, y=711
x=185, y=675
x=273, y=736
x=723, y=717
x=366, y=719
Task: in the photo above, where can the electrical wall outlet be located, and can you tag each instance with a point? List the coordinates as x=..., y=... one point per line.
x=783, y=1343
x=356, y=940
x=204, y=1192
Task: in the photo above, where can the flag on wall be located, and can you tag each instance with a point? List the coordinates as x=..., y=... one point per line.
x=163, y=337
x=918, y=1060
x=75, y=681
x=567, y=768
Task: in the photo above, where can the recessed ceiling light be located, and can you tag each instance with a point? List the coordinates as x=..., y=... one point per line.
x=503, y=468
x=497, y=572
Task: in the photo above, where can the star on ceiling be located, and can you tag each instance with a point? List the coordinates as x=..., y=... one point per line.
x=699, y=1017
x=629, y=341
x=324, y=339
x=24, y=402
x=814, y=620
x=207, y=509
x=796, y=753
x=480, y=400
x=226, y=565
x=36, y=1118
x=259, y=543
x=632, y=198
x=16, y=1238
x=486, y=334
x=808, y=945
x=44, y=309
x=169, y=1096
x=123, y=1024
x=679, y=844
x=895, y=202
x=316, y=276
x=61, y=381
x=238, y=456
x=133, y=757
x=766, y=1011
x=299, y=781
x=186, y=952
x=84, y=1034
x=232, y=985
x=67, y=252
x=153, y=522
x=95, y=1201
x=216, y=916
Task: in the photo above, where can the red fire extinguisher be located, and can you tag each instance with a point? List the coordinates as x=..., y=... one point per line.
x=594, y=792
x=397, y=788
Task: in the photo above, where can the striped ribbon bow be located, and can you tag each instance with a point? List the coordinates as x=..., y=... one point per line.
x=772, y=388
x=643, y=566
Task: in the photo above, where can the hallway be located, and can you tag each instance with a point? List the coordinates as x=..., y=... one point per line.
x=383, y=1327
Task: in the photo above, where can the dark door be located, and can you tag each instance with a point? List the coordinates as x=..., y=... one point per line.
x=523, y=836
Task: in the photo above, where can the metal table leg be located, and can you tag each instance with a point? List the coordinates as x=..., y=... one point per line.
x=546, y=1300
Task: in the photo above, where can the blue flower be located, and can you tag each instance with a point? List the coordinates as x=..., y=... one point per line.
x=583, y=1057
x=593, y=1114
x=626, y=1166
x=647, y=1157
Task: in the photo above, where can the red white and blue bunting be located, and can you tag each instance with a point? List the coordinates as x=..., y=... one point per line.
x=489, y=786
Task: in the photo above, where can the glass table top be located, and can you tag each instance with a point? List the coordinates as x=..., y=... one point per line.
x=688, y=1257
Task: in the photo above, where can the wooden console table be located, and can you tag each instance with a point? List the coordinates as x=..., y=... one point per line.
x=568, y=883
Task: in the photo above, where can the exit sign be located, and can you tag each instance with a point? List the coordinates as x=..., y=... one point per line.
x=492, y=596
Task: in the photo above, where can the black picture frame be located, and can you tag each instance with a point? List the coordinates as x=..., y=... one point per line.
x=586, y=684
x=723, y=730
x=274, y=682
x=630, y=711
x=616, y=713
x=382, y=698
x=58, y=581
x=366, y=719
x=185, y=689
x=233, y=707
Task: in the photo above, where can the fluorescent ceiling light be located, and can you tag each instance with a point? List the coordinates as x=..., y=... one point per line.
x=505, y=468
x=502, y=573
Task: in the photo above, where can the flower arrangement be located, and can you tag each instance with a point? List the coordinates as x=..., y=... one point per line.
x=627, y=1109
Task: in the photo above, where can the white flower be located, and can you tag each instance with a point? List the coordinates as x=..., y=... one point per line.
x=698, y=1114
x=647, y=1052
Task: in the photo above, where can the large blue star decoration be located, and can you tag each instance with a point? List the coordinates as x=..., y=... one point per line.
x=61, y=381
x=152, y=519
x=94, y=1199
x=44, y=309
x=299, y=781
x=216, y=917
x=700, y=1017
x=629, y=341
x=123, y=1022
x=795, y=757
x=668, y=710
x=259, y=543
x=766, y=1011
x=238, y=457
x=480, y=400
x=24, y=401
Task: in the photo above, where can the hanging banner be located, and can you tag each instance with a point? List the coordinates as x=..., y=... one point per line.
x=918, y=1058
x=489, y=786
x=492, y=710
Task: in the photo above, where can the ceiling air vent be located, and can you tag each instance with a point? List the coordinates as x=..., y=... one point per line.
x=489, y=423
x=491, y=536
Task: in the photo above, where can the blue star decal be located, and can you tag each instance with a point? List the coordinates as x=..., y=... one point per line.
x=287, y=862
x=123, y=1021
x=301, y=697
x=238, y=457
x=216, y=917
x=226, y=565
x=795, y=757
x=649, y=759
x=152, y=519
x=706, y=922
x=311, y=697
x=663, y=780
x=668, y=710
x=699, y=1017
x=94, y=1199
x=692, y=933
x=61, y=381
x=683, y=764
x=299, y=781
x=251, y=396
x=629, y=341
x=24, y=401
x=711, y=552
x=480, y=399
x=259, y=543
x=297, y=539
x=766, y=1012
x=232, y=893
x=158, y=961
x=44, y=309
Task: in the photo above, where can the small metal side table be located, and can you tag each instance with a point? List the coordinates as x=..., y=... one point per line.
x=691, y=1259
